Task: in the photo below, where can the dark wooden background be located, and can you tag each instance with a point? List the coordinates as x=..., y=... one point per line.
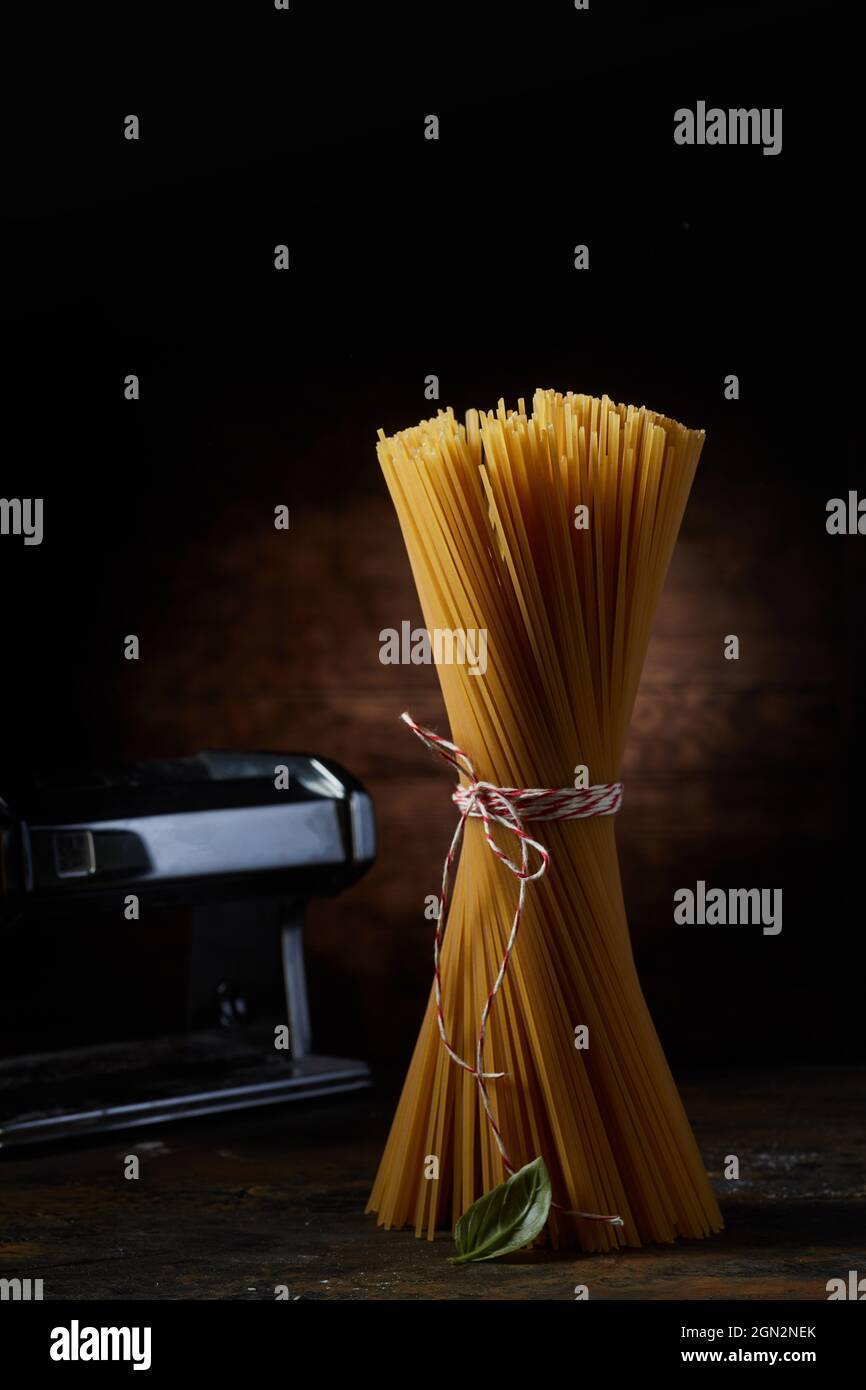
x=258, y=390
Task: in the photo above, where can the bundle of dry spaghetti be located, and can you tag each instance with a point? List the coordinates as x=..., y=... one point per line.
x=553, y=533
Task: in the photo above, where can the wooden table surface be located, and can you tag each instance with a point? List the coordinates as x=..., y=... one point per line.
x=230, y=1207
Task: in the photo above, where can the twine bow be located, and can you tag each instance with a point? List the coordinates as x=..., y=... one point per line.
x=509, y=807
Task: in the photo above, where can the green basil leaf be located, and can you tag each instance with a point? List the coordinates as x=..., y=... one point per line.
x=506, y=1219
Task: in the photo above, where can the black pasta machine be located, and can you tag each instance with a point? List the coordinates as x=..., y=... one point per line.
x=151, y=936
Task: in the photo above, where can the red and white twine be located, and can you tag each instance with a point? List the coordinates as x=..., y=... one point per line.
x=509, y=807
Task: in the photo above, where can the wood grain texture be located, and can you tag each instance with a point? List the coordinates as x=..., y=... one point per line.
x=230, y=1208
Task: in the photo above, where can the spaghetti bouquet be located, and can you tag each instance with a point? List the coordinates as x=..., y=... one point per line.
x=552, y=532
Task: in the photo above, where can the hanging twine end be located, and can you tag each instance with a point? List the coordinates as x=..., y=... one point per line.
x=509, y=807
